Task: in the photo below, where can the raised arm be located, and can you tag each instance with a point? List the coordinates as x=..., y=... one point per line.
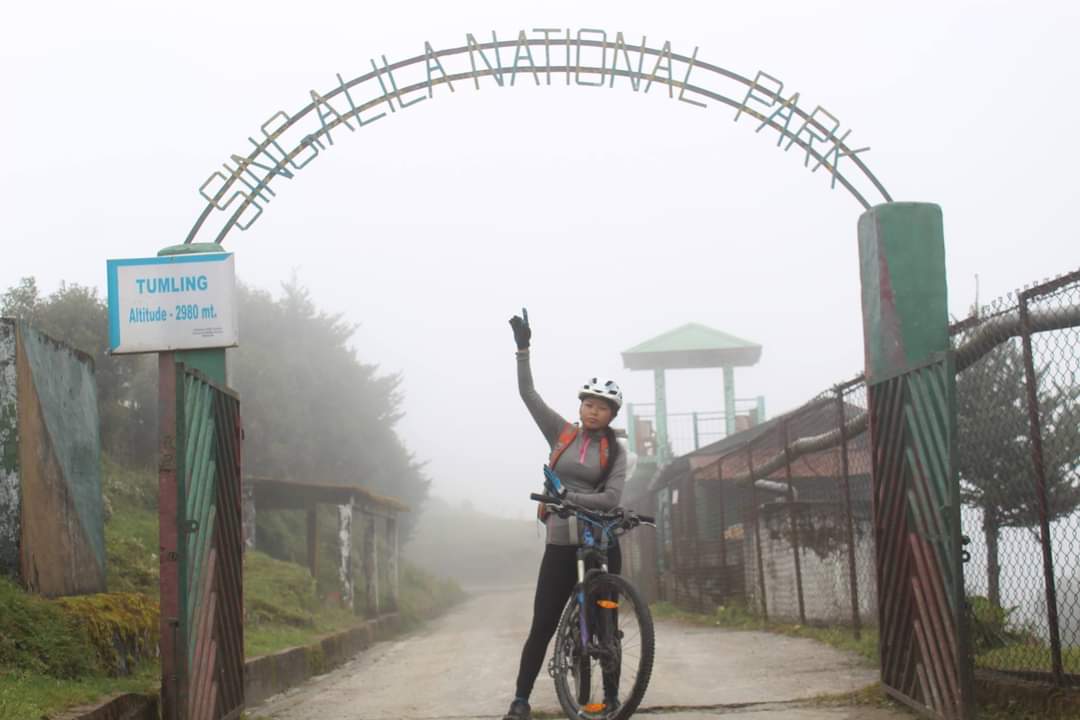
x=549, y=421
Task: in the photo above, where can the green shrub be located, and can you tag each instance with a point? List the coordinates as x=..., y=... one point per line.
x=990, y=625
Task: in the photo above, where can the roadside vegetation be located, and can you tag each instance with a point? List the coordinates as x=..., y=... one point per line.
x=739, y=618
x=995, y=646
x=325, y=415
x=51, y=658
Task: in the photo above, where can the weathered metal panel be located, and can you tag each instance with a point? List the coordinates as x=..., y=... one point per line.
x=10, y=525
x=209, y=651
x=62, y=540
x=923, y=651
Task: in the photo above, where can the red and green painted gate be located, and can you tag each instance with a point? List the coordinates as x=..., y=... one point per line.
x=911, y=380
x=202, y=633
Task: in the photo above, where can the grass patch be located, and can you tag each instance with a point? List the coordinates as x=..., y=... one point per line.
x=49, y=660
x=739, y=618
x=423, y=596
x=1033, y=657
x=26, y=695
x=282, y=607
x=131, y=530
x=36, y=636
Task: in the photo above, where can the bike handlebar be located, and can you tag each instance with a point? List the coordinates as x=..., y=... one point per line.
x=562, y=502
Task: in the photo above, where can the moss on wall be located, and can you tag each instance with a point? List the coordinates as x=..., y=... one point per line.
x=122, y=627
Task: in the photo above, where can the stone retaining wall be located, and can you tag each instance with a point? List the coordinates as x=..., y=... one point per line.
x=264, y=676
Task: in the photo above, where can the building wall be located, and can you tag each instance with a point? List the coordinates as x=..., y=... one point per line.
x=61, y=530
x=9, y=454
x=824, y=568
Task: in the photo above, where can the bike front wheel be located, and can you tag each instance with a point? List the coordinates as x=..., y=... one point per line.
x=603, y=672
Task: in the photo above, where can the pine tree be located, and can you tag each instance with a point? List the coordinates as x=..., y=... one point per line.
x=994, y=455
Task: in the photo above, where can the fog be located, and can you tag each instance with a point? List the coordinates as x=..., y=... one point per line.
x=612, y=215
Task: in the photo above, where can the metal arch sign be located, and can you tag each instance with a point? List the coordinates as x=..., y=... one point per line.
x=238, y=193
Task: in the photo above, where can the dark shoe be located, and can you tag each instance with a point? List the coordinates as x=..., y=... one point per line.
x=519, y=710
x=611, y=707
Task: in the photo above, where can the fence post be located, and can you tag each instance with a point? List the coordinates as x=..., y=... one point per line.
x=1040, y=490
x=695, y=418
x=794, y=517
x=172, y=663
x=757, y=531
x=723, y=529
x=845, y=481
x=692, y=523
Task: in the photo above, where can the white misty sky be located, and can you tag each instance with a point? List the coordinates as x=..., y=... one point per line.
x=613, y=216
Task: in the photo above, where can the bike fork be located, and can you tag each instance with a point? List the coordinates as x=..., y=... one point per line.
x=584, y=626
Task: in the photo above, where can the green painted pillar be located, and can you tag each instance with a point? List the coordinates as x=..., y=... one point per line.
x=911, y=389
x=729, y=401
x=631, y=428
x=905, y=308
x=209, y=362
x=760, y=409
x=660, y=387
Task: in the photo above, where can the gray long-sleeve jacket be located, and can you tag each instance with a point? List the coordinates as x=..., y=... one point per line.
x=582, y=479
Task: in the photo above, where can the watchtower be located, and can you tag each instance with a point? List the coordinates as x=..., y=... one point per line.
x=691, y=346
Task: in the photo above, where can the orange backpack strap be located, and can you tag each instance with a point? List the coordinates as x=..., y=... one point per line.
x=566, y=437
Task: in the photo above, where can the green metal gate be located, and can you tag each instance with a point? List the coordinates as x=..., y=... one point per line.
x=917, y=521
x=202, y=548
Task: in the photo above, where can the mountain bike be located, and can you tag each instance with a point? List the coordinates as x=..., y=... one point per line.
x=605, y=635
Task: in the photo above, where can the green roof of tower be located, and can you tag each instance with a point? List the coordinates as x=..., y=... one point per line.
x=692, y=346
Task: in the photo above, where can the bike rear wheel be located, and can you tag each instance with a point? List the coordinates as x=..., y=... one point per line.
x=616, y=664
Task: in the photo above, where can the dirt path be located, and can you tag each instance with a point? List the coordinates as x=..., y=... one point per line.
x=464, y=665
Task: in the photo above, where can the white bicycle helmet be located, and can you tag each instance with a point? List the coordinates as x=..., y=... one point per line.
x=607, y=389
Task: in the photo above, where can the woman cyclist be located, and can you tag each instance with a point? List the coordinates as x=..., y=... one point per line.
x=592, y=465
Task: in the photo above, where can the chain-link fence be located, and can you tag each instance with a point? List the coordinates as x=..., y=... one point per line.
x=1018, y=453
x=779, y=517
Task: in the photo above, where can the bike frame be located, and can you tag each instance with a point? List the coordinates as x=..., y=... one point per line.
x=589, y=548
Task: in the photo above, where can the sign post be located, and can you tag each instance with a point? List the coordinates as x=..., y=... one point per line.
x=181, y=305
x=183, y=301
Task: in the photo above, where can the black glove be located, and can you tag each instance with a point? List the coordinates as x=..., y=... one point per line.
x=522, y=332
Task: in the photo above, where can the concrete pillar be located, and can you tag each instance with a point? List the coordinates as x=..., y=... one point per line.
x=371, y=567
x=660, y=387
x=345, y=543
x=392, y=561
x=905, y=308
x=248, y=515
x=729, y=401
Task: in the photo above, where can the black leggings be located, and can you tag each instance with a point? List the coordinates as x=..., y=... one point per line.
x=558, y=575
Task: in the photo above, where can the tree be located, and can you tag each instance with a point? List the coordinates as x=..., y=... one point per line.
x=77, y=316
x=994, y=456
x=313, y=412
